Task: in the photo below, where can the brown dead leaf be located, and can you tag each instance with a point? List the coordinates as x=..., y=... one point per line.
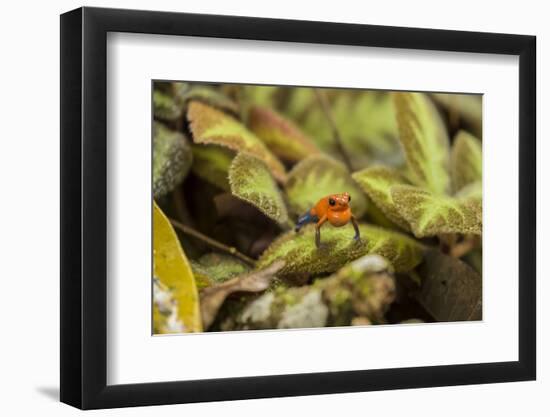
x=213, y=297
x=451, y=289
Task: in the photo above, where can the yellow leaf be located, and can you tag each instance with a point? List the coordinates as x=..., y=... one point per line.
x=172, y=270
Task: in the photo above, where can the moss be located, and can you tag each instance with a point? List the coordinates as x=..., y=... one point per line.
x=309, y=312
x=364, y=288
x=258, y=310
x=289, y=298
x=342, y=296
x=217, y=268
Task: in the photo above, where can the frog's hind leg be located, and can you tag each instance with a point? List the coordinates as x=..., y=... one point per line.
x=318, y=231
x=357, y=236
x=305, y=219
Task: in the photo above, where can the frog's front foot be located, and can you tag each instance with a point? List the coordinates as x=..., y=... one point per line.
x=357, y=239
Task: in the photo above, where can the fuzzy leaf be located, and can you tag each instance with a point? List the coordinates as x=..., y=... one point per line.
x=431, y=215
x=365, y=121
x=316, y=177
x=451, y=289
x=170, y=99
x=280, y=135
x=377, y=182
x=251, y=181
x=219, y=268
x=466, y=160
x=172, y=158
x=425, y=141
x=471, y=191
x=262, y=95
x=165, y=107
x=211, y=163
x=302, y=257
x=213, y=297
x=211, y=97
x=211, y=126
x=465, y=107
x=175, y=277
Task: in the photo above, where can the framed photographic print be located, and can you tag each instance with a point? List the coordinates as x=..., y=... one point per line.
x=257, y=208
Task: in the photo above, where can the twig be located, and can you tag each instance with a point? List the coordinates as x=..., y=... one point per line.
x=211, y=242
x=458, y=250
x=325, y=106
x=447, y=241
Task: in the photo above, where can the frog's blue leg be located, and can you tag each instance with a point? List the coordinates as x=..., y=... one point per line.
x=305, y=219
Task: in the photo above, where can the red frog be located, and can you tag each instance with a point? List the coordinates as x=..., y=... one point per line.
x=335, y=209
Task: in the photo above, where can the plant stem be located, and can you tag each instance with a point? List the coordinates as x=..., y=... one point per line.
x=211, y=242
x=325, y=106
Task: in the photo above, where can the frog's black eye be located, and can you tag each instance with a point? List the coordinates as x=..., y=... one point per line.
x=349, y=198
x=331, y=201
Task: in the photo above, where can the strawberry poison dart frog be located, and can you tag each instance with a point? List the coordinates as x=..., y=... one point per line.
x=335, y=209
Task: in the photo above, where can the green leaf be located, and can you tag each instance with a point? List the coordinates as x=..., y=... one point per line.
x=365, y=121
x=377, y=182
x=211, y=126
x=302, y=257
x=176, y=297
x=170, y=99
x=262, y=95
x=466, y=160
x=280, y=135
x=451, y=290
x=211, y=163
x=425, y=141
x=252, y=182
x=211, y=97
x=219, y=267
x=463, y=107
x=316, y=177
x=172, y=158
x=431, y=215
x=165, y=107
x=471, y=191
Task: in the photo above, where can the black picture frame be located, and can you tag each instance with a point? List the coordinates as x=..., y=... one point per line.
x=84, y=207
